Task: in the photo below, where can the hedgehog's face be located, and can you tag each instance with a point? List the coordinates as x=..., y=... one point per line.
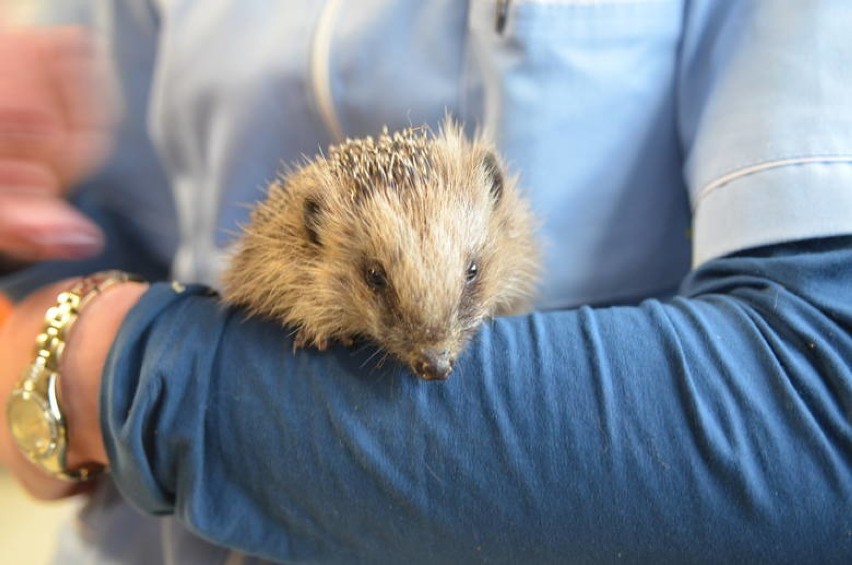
x=423, y=305
x=423, y=279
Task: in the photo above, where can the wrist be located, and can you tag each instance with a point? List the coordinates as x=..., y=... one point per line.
x=82, y=366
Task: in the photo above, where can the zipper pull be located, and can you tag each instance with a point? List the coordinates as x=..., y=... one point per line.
x=502, y=15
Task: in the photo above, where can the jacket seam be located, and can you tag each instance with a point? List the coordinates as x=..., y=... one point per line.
x=728, y=178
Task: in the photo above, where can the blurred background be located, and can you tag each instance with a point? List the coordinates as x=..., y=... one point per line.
x=28, y=528
x=15, y=9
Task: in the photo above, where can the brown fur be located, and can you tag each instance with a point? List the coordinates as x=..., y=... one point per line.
x=377, y=241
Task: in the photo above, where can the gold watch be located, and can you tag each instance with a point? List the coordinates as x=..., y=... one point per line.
x=34, y=410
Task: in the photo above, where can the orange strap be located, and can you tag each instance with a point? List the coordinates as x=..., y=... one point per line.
x=5, y=308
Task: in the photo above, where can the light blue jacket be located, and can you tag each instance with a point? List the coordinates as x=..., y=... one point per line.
x=646, y=132
x=652, y=136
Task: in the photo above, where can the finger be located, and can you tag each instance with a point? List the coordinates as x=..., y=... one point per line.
x=30, y=118
x=79, y=77
x=27, y=178
x=34, y=228
x=80, y=72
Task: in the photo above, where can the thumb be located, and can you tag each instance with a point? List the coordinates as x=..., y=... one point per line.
x=38, y=228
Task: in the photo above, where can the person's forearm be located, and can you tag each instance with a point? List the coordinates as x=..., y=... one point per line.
x=713, y=425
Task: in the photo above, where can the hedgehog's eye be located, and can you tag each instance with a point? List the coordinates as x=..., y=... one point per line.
x=472, y=272
x=375, y=277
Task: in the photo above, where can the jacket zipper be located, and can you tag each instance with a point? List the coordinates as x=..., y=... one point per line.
x=502, y=14
x=320, y=65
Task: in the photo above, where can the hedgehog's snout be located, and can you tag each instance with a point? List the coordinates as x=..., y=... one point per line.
x=434, y=364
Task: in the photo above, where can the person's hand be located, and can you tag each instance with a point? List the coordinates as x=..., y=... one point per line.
x=80, y=368
x=55, y=129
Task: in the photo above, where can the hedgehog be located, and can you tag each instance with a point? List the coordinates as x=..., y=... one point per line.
x=409, y=240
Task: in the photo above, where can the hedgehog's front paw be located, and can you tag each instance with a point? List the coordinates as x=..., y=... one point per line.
x=300, y=340
x=305, y=338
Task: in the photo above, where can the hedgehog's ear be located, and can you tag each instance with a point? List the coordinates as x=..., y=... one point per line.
x=494, y=174
x=311, y=212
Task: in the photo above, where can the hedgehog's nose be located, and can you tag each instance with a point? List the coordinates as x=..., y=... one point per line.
x=434, y=365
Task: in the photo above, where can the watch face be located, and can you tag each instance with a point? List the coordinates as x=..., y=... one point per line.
x=31, y=424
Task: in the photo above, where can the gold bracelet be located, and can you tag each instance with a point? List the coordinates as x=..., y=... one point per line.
x=34, y=411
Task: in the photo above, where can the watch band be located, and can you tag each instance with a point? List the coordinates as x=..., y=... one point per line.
x=34, y=410
x=59, y=319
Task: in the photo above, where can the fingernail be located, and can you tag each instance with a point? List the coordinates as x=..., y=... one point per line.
x=70, y=244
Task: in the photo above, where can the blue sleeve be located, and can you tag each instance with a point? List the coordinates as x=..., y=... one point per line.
x=712, y=427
